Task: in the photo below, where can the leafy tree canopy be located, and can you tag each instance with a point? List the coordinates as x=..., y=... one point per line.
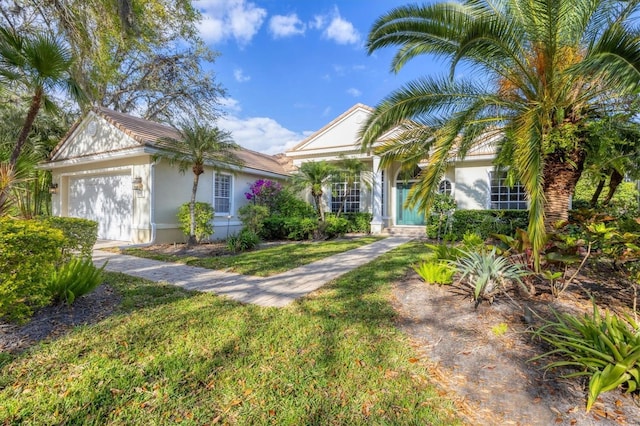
x=135, y=56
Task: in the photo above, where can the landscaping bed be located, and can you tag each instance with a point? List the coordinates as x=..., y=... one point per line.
x=480, y=355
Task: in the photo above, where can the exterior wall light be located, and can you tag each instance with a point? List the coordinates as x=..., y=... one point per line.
x=53, y=188
x=136, y=184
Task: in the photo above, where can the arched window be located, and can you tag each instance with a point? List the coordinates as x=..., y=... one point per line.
x=445, y=187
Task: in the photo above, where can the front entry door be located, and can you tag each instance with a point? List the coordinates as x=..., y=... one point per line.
x=406, y=216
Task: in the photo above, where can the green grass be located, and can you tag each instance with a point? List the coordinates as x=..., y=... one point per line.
x=263, y=262
x=172, y=356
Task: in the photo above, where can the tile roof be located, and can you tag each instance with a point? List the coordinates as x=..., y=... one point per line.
x=150, y=133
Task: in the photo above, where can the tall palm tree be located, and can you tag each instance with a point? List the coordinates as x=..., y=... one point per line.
x=314, y=175
x=39, y=66
x=196, y=145
x=539, y=71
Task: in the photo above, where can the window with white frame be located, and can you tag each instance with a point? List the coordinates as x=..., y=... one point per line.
x=349, y=199
x=222, y=193
x=505, y=197
x=445, y=187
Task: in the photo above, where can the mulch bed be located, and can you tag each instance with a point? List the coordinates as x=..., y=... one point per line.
x=487, y=372
x=53, y=321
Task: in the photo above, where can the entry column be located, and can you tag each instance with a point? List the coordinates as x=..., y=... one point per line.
x=376, y=193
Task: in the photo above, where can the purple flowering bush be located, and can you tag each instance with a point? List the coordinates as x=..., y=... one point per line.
x=264, y=192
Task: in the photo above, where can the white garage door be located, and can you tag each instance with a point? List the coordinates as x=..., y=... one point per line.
x=107, y=199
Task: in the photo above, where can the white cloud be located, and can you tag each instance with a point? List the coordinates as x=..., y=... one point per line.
x=326, y=111
x=342, y=32
x=240, y=76
x=354, y=92
x=286, y=26
x=317, y=23
x=229, y=19
x=262, y=134
x=230, y=104
x=338, y=29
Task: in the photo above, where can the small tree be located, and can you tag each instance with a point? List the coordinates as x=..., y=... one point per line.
x=40, y=65
x=199, y=144
x=313, y=176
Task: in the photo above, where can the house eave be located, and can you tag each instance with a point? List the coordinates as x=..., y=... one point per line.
x=93, y=158
x=222, y=166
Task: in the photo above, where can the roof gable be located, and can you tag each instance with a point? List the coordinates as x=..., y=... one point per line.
x=104, y=131
x=90, y=136
x=342, y=132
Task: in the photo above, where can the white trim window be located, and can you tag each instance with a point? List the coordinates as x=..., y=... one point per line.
x=339, y=196
x=222, y=191
x=505, y=197
x=445, y=187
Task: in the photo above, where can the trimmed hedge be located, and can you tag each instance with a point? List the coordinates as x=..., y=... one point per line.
x=80, y=235
x=359, y=222
x=481, y=222
x=30, y=250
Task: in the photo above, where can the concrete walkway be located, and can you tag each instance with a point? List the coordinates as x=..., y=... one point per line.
x=277, y=290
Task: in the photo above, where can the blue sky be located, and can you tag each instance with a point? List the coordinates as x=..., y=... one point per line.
x=291, y=66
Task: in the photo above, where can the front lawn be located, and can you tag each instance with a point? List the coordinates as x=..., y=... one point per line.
x=172, y=356
x=262, y=262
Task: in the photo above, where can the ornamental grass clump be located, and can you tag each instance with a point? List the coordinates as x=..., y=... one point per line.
x=605, y=349
x=435, y=272
x=73, y=279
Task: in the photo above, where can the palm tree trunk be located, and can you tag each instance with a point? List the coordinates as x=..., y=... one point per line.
x=347, y=192
x=561, y=173
x=36, y=102
x=192, y=211
x=614, y=181
x=596, y=195
x=318, y=201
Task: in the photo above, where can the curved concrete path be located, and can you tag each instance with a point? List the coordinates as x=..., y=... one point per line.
x=277, y=290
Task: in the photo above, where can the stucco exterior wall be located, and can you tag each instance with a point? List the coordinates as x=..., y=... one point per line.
x=472, y=185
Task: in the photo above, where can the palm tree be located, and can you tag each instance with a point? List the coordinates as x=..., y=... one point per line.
x=539, y=71
x=349, y=172
x=196, y=145
x=314, y=175
x=39, y=66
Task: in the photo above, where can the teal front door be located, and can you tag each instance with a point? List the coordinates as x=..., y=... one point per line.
x=406, y=216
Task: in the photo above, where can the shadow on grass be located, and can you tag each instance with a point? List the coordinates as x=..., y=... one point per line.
x=176, y=356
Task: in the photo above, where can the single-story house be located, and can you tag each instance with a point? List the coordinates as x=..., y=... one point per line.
x=107, y=169
x=474, y=183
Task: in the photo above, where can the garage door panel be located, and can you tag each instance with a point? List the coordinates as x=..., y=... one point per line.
x=107, y=199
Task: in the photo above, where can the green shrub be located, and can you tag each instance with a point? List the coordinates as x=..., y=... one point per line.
x=273, y=228
x=73, y=279
x=253, y=216
x=289, y=205
x=435, y=272
x=204, y=220
x=29, y=251
x=80, y=235
x=298, y=228
x=359, y=222
x=482, y=222
x=607, y=350
x=444, y=251
x=243, y=241
x=334, y=226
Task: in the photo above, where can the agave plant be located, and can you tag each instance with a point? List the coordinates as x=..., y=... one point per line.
x=487, y=273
